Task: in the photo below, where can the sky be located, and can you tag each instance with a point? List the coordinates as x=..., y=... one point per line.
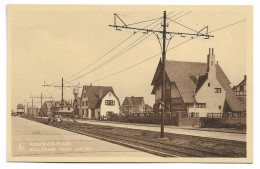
x=48, y=42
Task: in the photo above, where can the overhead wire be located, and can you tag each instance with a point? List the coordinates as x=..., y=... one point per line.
x=167, y=50
x=119, y=53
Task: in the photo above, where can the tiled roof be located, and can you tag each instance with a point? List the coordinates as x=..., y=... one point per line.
x=182, y=74
x=20, y=106
x=47, y=104
x=93, y=94
x=135, y=100
x=59, y=103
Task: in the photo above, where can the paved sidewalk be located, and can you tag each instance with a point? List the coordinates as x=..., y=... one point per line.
x=34, y=139
x=170, y=129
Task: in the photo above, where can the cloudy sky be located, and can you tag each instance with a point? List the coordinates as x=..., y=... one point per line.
x=46, y=43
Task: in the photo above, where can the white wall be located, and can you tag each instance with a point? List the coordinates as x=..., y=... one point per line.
x=213, y=100
x=114, y=108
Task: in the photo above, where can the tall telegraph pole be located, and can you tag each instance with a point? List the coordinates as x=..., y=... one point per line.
x=164, y=33
x=163, y=82
x=37, y=97
x=60, y=86
x=41, y=97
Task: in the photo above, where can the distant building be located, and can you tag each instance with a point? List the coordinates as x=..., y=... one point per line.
x=198, y=89
x=63, y=108
x=240, y=91
x=148, y=108
x=46, y=108
x=98, y=101
x=20, y=109
x=33, y=111
x=133, y=105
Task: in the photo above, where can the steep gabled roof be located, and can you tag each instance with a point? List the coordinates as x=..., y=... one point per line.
x=135, y=101
x=93, y=94
x=20, y=106
x=182, y=74
x=47, y=104
x=59, y=103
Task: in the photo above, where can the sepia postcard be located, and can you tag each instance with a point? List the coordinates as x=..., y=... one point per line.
x=130, y=83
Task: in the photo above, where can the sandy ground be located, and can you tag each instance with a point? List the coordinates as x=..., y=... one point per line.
x=36, y=140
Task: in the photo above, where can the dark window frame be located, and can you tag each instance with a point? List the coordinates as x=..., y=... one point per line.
x=200, y=105
x=217, y=90
x=110, y=102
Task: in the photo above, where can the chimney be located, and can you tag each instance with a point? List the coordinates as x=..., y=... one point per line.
x=211, y=68
x=100, y=93
x=245, y=77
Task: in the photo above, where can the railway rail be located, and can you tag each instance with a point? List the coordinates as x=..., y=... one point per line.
x=137, y=139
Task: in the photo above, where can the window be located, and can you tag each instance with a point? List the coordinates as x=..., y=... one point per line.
x=200, y=105
x=82, y=111
x=68, y=108
x=219, y=107
x=86, y=103
x=217, y=90
x=208, y=84
x=82, y=103
x=215, y=115
x=176, y=106
x=109, y=113
x=110, y=102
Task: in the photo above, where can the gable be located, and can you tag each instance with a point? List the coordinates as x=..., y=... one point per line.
x=183, y=73
x=95, y=94
x=112, y=97
x=126, y=102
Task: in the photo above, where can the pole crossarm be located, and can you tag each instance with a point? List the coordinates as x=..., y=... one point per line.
x=158, y=31
x=72, y=86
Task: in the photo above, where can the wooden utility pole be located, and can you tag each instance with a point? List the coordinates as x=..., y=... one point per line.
x=163, y=82
x=62, y=86
x=164, y=33
x=32, y=105
x=41, y=97
x=62, y=90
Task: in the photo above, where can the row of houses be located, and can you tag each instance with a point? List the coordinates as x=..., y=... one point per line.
x=102, y=101
x=192, y=88
x=96, y=102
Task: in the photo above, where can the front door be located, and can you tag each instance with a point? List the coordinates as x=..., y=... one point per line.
x=92, y=113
